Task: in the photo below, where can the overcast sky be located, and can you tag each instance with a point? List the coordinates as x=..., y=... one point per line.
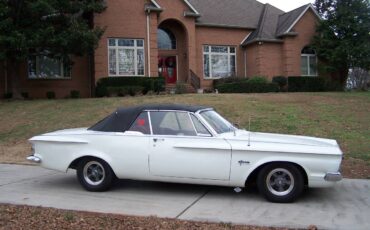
x=287, y=5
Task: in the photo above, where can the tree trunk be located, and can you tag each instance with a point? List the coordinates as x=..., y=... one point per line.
x=14, y=75
x=343, y=76
x=5, y=73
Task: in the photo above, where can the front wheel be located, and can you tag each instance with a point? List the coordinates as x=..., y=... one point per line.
x=94, y=175
x=280, y=182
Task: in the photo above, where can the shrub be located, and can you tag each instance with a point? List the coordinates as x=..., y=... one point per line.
x=117, y=91
x=258, y=79
x=156, y=84
x=255, y=84
x=228, y=80
x=75, y=94
x=312, y=84
x=136, y=90
x=159, y=85
x=124, y=91
x=50, y=95
x=281, y=81
x=8, y=95
x=180, y=88
x=248, y=87
x=25, y=95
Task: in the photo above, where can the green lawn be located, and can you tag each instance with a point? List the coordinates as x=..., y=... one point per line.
x=342, y=116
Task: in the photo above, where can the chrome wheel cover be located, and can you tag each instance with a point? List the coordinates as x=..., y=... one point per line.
x=94, y=173
x=280, y=182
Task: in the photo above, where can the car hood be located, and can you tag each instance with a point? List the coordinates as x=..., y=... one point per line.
x=283, y=139
x=281, y=143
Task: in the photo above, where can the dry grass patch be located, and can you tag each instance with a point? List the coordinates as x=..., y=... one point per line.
x=341, y=116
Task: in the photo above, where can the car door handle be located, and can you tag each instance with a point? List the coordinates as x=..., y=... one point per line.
x=158, y=139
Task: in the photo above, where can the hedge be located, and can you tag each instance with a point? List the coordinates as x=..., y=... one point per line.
x=228, y=80
x=155, y=84
x=312, y=84
x=247, y=87
x=281, y=81
x=124, y=90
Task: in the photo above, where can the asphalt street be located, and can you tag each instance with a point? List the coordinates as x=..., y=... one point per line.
x=345, y=206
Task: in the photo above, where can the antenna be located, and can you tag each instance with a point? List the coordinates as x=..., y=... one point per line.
x=249, y=131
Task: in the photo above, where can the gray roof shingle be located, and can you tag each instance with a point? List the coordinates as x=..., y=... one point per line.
x=230, y=13
x=267, y=26
x=287, y=19
x=268, y=22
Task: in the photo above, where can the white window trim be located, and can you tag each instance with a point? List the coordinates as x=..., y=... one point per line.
x=308, y=65
x=62, y=77
x=135, y=48
x=210, y=53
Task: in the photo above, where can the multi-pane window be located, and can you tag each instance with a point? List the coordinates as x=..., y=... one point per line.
x=308, y=62
x=126, y=57
x=166, y=40
x=219, y=61
x=43, y=67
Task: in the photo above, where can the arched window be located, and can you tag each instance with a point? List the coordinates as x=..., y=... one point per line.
x=166, y=40
x=308, y=62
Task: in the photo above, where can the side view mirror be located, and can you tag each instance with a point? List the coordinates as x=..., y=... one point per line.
x=236, y=125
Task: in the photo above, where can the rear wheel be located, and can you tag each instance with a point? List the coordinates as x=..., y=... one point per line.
x=280, y=182
x=94, y=174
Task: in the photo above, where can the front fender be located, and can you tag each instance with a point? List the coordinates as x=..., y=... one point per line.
x=241, y=172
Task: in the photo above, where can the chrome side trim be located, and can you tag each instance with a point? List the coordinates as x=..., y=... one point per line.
x=333, y=177
x=34, y=159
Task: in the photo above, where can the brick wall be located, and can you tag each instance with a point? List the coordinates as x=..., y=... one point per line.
x=121, y=19
x=292, y=47
x=219, y=36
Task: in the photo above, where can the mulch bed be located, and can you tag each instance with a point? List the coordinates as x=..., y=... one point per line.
x=27, y=217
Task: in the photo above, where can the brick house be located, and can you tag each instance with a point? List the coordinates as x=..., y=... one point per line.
x=186, y=41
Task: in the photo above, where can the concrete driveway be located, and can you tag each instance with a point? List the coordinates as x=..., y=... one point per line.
x=346, y=206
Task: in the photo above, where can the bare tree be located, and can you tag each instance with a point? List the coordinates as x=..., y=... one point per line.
x=358, y=79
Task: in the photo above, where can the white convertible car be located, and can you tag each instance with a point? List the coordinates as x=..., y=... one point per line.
x=188, y=144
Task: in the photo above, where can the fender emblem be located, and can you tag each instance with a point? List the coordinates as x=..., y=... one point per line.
x=241, y=162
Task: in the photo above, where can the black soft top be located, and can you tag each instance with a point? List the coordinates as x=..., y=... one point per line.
x=122, y=118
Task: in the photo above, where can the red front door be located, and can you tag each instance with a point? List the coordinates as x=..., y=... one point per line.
x=167, y=68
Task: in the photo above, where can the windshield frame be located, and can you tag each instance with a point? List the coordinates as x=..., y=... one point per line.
x=231, y=127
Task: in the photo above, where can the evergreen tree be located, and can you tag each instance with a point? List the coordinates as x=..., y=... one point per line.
x=343, y=38
x=55, y=28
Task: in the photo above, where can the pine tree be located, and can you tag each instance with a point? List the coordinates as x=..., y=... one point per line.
x=343, y=38
x=55, y=28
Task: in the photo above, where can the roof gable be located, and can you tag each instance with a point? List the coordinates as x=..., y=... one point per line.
x=266, y=27
x=288, y=20
x=191, y=7
x=268, y=22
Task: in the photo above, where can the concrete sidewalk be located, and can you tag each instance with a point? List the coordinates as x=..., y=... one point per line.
x=346, y=206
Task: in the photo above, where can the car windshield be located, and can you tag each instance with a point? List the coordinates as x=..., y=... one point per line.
x=217, y=122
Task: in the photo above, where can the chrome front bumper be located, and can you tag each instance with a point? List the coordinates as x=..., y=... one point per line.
x=34, y=159
x=333, y=177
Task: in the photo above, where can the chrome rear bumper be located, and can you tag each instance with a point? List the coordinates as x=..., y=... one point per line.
x=34, y=159
x=333, y=177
